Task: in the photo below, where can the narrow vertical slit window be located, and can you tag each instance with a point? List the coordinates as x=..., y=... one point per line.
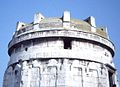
x=26, y=49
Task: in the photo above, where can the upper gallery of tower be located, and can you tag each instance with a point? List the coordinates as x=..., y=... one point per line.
x=64, y=22
x=60, y=27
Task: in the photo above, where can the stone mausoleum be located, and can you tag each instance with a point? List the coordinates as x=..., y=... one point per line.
x=60, y=52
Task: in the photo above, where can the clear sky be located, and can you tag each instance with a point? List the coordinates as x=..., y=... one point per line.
x=106, y=12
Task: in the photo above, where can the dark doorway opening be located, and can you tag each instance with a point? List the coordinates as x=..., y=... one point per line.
x=111, y=79
x=67, y=43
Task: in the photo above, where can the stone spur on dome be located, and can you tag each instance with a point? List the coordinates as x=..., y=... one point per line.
x=60, y=52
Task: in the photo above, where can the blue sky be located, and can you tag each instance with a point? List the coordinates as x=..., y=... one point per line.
x=106, y=12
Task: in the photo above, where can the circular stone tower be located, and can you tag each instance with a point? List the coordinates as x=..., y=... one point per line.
x=60, y=52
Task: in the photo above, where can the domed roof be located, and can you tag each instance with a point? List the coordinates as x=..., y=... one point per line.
x=72, y=20
x=58, y=23
x=81, y=25
x=65, y=22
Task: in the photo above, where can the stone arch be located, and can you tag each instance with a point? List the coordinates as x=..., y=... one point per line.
x=17, y=75
x=35, y=77
x=77, y=74
x=8, y=82
x=49, y=77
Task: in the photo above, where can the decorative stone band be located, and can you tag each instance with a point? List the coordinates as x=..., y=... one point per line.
x=44, y=53
x=62, y=33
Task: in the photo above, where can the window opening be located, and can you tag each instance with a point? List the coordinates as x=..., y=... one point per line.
x=67, y=44
x=16, y=72
x=23, y=25
x=26, y=49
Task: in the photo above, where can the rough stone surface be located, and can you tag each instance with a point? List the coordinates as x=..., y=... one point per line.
x=60, y=52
